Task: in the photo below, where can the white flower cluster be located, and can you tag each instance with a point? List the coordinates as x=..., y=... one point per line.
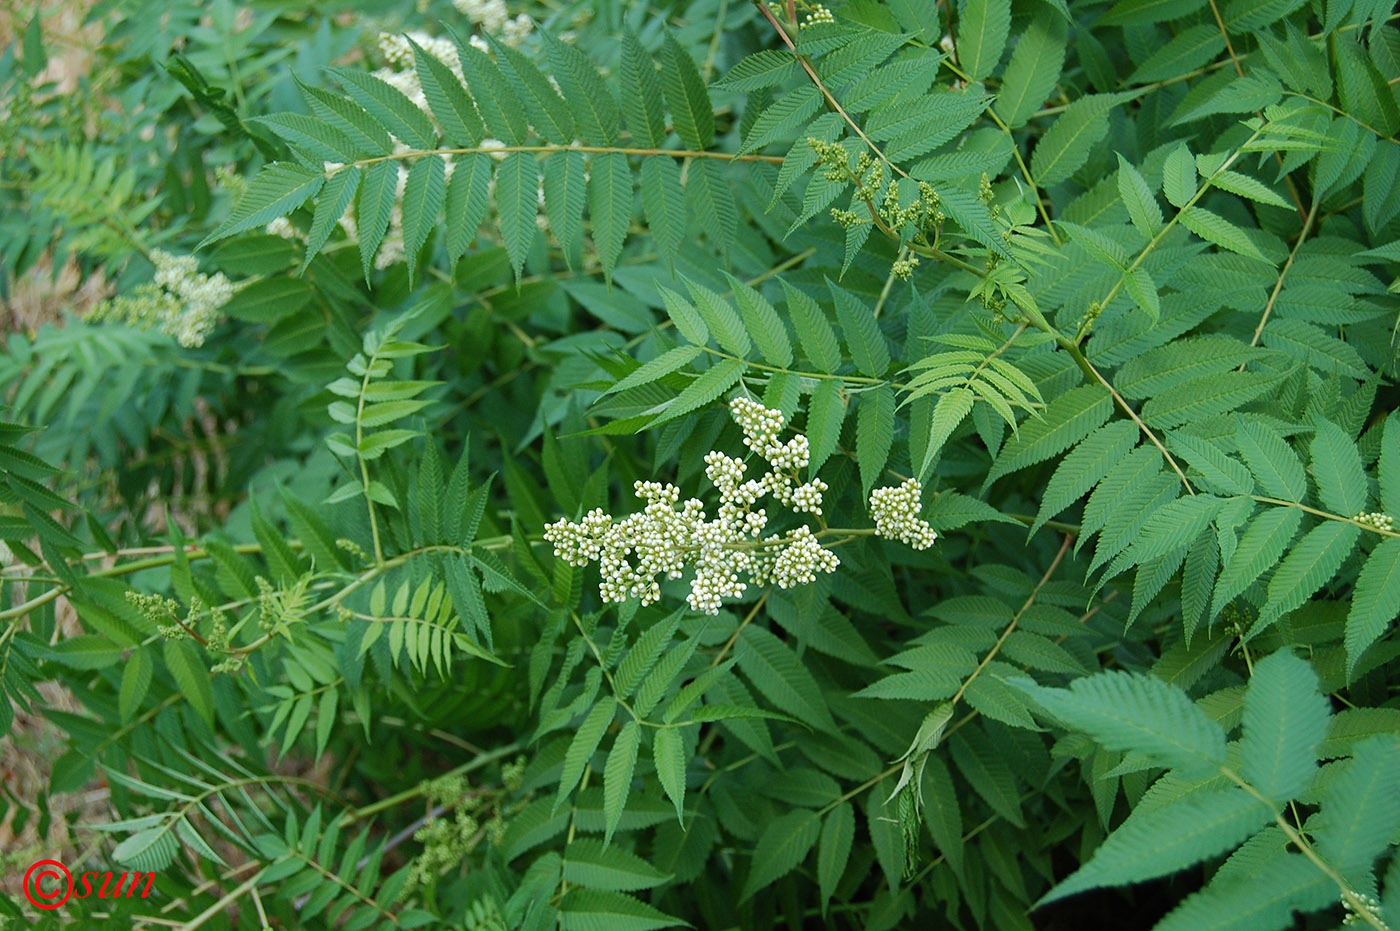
x=1378, y=519
x=896, y=513
x=182, y=302
x=664, y=539
x=492, y=16
x=200, y=296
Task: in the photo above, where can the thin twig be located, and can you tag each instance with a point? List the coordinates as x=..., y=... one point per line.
x=1278, y=285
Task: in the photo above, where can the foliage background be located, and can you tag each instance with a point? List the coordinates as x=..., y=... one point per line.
x=1144, y=366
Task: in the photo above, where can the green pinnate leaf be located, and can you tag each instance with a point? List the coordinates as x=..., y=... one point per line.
x=834, y=852
x=468, y=197
x=1308, y=566
x=424, y=194
x=862, y=332
x=762, y=323
x=814, y=332
x=594, y=865
x=1388, y=468
x=1360, y=808
x=1274, y=463
x=686, y=97
x=1336, y=466
x=1260, y=547
x=874, y=433
x=1130, y=711
x=617, y=776
x=1139, y=199
x=766, y=68
x=610, y=205
x=721, y=319
x=387, y=105
x=1285, y=719
x=583, y=745
x=276, y=191
x=1067, y=420
x=1066, y=144
x=1179, y=176
x=1167, y=839
x=517, y=201
x=642, y=96
x=781, y=677
x=1375, y=601
x=784, y=844
x=668, y=753
x=498, y=104
x=664, y=205
x=982, y=30
x=590, y=99
x=191, y=675
x=448, y=99
x=136, y=682
x=546, y=109
x=337, y=195
x=826, y=410
x=1034, y=68
x=604, y=910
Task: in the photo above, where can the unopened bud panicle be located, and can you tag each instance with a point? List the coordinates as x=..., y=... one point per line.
x=729, y=552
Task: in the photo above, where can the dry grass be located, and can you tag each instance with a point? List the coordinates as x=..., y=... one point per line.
x=42, y=292
x=40, y=296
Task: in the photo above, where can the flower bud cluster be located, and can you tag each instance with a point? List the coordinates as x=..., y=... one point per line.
x=819, y=14
x=1370, y=905
x=833, y=158
x=1377, y=519
x=667, y=535
x=161, y=611
x=903, y=269
x=761, y=429
x=868, y=178
x=896, y=513
x=182, y=302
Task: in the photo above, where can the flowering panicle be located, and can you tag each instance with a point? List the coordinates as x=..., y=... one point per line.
x=669, y=535
x=181, y=301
